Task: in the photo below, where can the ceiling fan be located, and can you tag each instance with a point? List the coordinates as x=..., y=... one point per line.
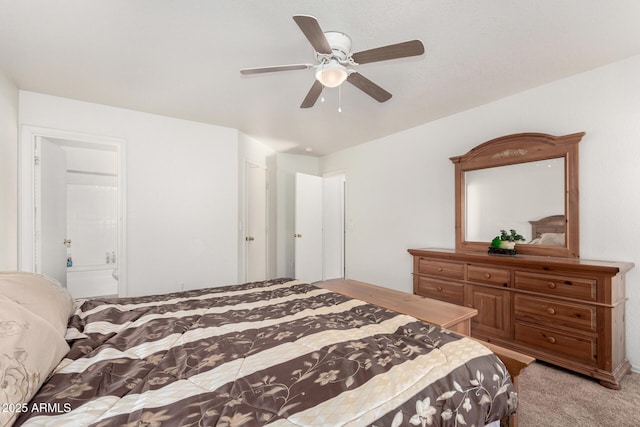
x=335, y=61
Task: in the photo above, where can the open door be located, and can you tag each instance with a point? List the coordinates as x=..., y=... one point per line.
x=308, y=228
x=51, y=210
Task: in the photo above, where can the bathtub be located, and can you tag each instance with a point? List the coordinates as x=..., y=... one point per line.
x=85, y=281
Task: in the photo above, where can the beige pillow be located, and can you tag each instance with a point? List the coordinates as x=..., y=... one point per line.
x=552, y=239
x=30, y=348
x=40, y=295
x=549, y=239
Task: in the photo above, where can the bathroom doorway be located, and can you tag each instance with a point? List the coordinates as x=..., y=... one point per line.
x=77, y=205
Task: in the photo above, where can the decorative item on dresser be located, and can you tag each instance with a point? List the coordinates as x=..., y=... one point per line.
x=545, y=301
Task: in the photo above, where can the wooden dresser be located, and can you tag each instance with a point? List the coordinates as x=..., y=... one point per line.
x=566, y=311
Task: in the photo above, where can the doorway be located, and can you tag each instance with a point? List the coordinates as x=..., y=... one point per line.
x=320, y=227
x=72, y=203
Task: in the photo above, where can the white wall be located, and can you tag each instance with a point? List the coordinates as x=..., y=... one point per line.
x=8, y=174
x=400, y=191
x=181, y=209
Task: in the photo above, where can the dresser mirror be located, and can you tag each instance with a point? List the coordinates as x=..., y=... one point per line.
x=527, y=182
x=510, y=197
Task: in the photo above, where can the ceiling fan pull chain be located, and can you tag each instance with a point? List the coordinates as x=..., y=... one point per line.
x=340, y=99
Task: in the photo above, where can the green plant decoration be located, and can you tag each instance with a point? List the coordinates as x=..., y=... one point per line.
x=495, y=243
x=505, y=243
x=512, y=236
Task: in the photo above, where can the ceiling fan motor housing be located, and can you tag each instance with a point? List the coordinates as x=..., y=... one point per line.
x=340, y=45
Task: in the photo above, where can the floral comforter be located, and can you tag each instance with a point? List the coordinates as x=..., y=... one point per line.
x=280, y=352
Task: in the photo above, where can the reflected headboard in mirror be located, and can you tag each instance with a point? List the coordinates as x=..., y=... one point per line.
x=550, y=224
x=508, y=182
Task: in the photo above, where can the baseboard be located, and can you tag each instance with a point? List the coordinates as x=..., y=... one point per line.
x=635, y=369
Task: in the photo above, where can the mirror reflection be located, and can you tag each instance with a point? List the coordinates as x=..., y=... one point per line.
x=511, y=197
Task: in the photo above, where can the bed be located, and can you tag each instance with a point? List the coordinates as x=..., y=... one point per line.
x=549, y=231
x=280, y=352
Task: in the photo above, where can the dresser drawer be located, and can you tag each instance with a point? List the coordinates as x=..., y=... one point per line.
x=574, y=346
x=489, y=275
x=450, y=270
x=532, y=309
x=565, y=286
x=440, y=290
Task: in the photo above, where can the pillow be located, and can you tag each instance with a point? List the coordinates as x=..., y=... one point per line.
x=41, y=295
x=552, y=239
x=549, y=239
x=535, y=241
x=30, y=348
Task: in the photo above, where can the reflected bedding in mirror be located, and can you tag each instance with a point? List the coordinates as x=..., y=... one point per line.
x=549, y=239
x=549, y=231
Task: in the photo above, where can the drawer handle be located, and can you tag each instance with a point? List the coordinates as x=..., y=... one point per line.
x=551, y=310
x=552, y=285
x=487, y=275
x=439, y=288
x=470, y=305
x=439, y=268
x=552, y=340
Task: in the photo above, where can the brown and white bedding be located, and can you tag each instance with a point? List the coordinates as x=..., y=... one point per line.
x=280, y=352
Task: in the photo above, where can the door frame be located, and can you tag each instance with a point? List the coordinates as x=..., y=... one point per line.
x=26, y=193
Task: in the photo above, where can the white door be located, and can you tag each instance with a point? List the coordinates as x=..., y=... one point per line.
x=308, y=228
x=256, y=224
x=51, y=210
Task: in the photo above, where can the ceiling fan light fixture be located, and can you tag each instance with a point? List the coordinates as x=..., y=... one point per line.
x=331, y=73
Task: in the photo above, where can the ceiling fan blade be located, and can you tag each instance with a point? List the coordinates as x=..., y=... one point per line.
x=312, y=95
x=392, y=51
x=312, y=31
x=260, y=70
x=368, y=87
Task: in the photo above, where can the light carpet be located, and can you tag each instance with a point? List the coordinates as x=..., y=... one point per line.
x=551, y=396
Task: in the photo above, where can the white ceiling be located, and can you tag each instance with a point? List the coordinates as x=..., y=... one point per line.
x=182, y=58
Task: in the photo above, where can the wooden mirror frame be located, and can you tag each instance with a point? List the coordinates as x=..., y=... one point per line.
x=522, y=148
